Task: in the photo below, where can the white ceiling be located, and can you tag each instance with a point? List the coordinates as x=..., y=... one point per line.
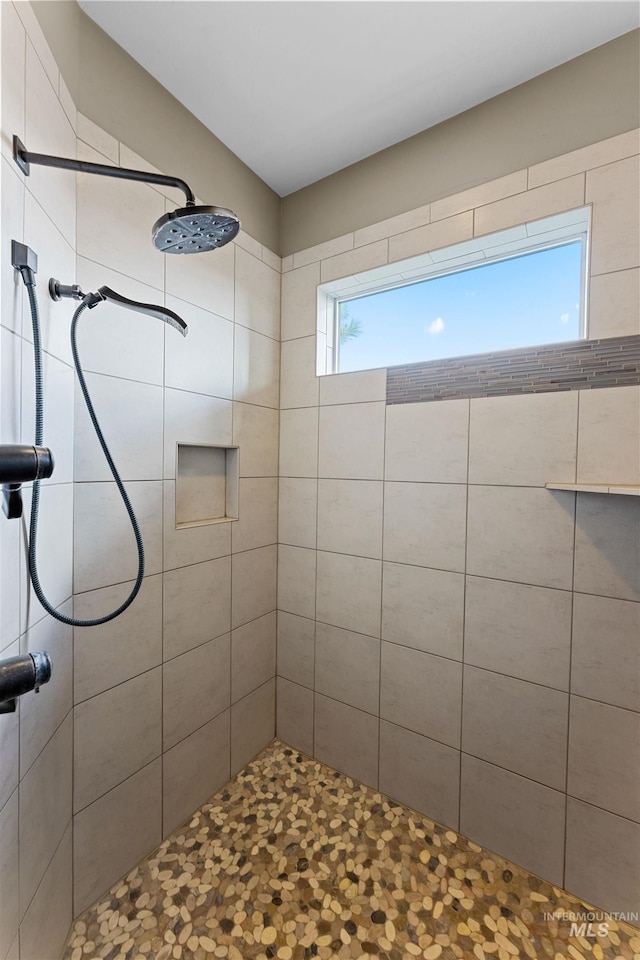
x=301, y=89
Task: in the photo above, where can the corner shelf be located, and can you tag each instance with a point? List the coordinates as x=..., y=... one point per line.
x=626, y=489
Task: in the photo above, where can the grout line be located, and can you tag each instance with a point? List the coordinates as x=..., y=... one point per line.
x=464, y=608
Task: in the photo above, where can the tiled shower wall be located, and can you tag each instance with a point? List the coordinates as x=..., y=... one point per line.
x=450, y=631
x=145, y=716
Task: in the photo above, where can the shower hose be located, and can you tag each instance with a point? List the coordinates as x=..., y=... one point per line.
x=39, y=429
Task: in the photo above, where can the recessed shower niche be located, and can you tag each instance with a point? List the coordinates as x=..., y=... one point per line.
x=206, y=484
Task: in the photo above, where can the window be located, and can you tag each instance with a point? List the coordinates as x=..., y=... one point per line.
x=521, y=287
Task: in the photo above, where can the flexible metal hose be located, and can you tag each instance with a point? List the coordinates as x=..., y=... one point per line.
x=35, y=502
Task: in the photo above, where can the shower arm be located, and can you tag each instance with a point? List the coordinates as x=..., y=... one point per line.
x=24, y=158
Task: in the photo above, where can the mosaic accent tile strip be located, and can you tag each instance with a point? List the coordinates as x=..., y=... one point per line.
x=577, y=365
x=292, y=860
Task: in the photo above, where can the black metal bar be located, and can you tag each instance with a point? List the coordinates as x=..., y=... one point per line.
x=23, y=158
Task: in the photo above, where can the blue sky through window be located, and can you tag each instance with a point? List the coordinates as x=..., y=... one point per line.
x=523, y=301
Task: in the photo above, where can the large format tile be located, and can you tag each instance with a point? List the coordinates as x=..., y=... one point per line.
x=518, y=630
x=196, y=605
x=55, y=549
x=46, y=923
x=296, y=648
x=532, y=742
x=115, y=734
x=10, y=742
x=613, y=191
x=11, y=228
x=257, y=525
x=427, y=441
x=104, y=546
x=443, y=233
x=347, y=667
x=186, y=545
x=614, y=305
x=609, y=436
x=201, y=362
x=530, y=205
x=351, y=443
x=206, y=281
x=255, y=431
x=585, y=158
x=253, y=584
x=524, y=440
x=350, y=517
x=519, y=819
x=347, y=739
x=196, y=688
x=297, y=580
x=257, y=294
x=608, y=546
x=354, y=261
x=362, y=386
x=605, y=660
x=253, y=655
x=253, y=723
x=604, y=763
x=297, y=510
x=522, y=534
x=115, y=832
x=9, y=872
x=421, y=692
x=349, y=592
x=13, y=87
x=299, y=383
x=193, y=770
x=116, y=651
x=45, y=809
x=425, y=523
x=299, y=301
x=193, y=418
x=423, y=608
x=10, y=577
x=420, y=772
x=596, y=836
x=294, y=720
x=256, y=368
x=299, y=443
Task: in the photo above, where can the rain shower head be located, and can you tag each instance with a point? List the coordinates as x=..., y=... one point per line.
x=194, y=229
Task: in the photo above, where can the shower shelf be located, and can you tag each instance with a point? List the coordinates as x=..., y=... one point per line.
x=626, y=489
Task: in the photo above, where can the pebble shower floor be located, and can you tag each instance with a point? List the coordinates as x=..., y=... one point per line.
x=293, y=860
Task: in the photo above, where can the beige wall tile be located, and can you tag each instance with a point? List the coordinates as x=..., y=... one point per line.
x=346, y=739
x=517, y=630
x=207, y=282
x=609, y=436
x=9, y=870
x=519, y=819
x=420, y=772
x=191, y=544
x=423, y=609
x=55, y=548
x=193, y=770
x=253, y=722
x=607, y=537
x=351, y=444
x=9, y=743
x=321, y=251
x=255, y=431
x=299, y=385
x=427, y=441
x=614, y=192
x=41, y=715
x=296, y=648
x=196, y=605
x=424, y=523
x=349, y=592
x=299, y=301
x=257, y=294
x=432, y=237
x=94, y=136
x=247, y=243
x=297, y=580
x=258, y=514
x=594, y=155
x=350, y=517
x=11, y=228
x=347, y=667
x=45, y=926
x=522, y=534
x=387, y=228
x=524, y=440
x=104, y=549
x=114, y=832
x=10, y=573
x=614, y=304
x=595, y=836
x=45, y=809
x=297, y=511
x=363, y=258
x=359, y=387
x=287, y=263
x=605, y=661
x=256, y=368
x=508, y=186
x=201, y=362
x=533, y=743
x=532, y=205
x=271, y=259
x=299, y=443
x=295, y=715
x=194, y=418
x=36, y=37
x=115, y=734
x=13, y=86
x=604, y=764
x=196, y=687
x=253, y=655
x=421, y=692
x=253, y=580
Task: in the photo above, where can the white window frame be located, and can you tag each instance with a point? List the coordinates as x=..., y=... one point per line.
x=544, y=234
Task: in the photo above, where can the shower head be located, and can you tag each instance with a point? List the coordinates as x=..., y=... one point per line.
x=194, y=229
x=59, y=290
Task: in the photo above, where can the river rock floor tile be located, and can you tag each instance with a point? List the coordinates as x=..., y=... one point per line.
x=292, y=860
